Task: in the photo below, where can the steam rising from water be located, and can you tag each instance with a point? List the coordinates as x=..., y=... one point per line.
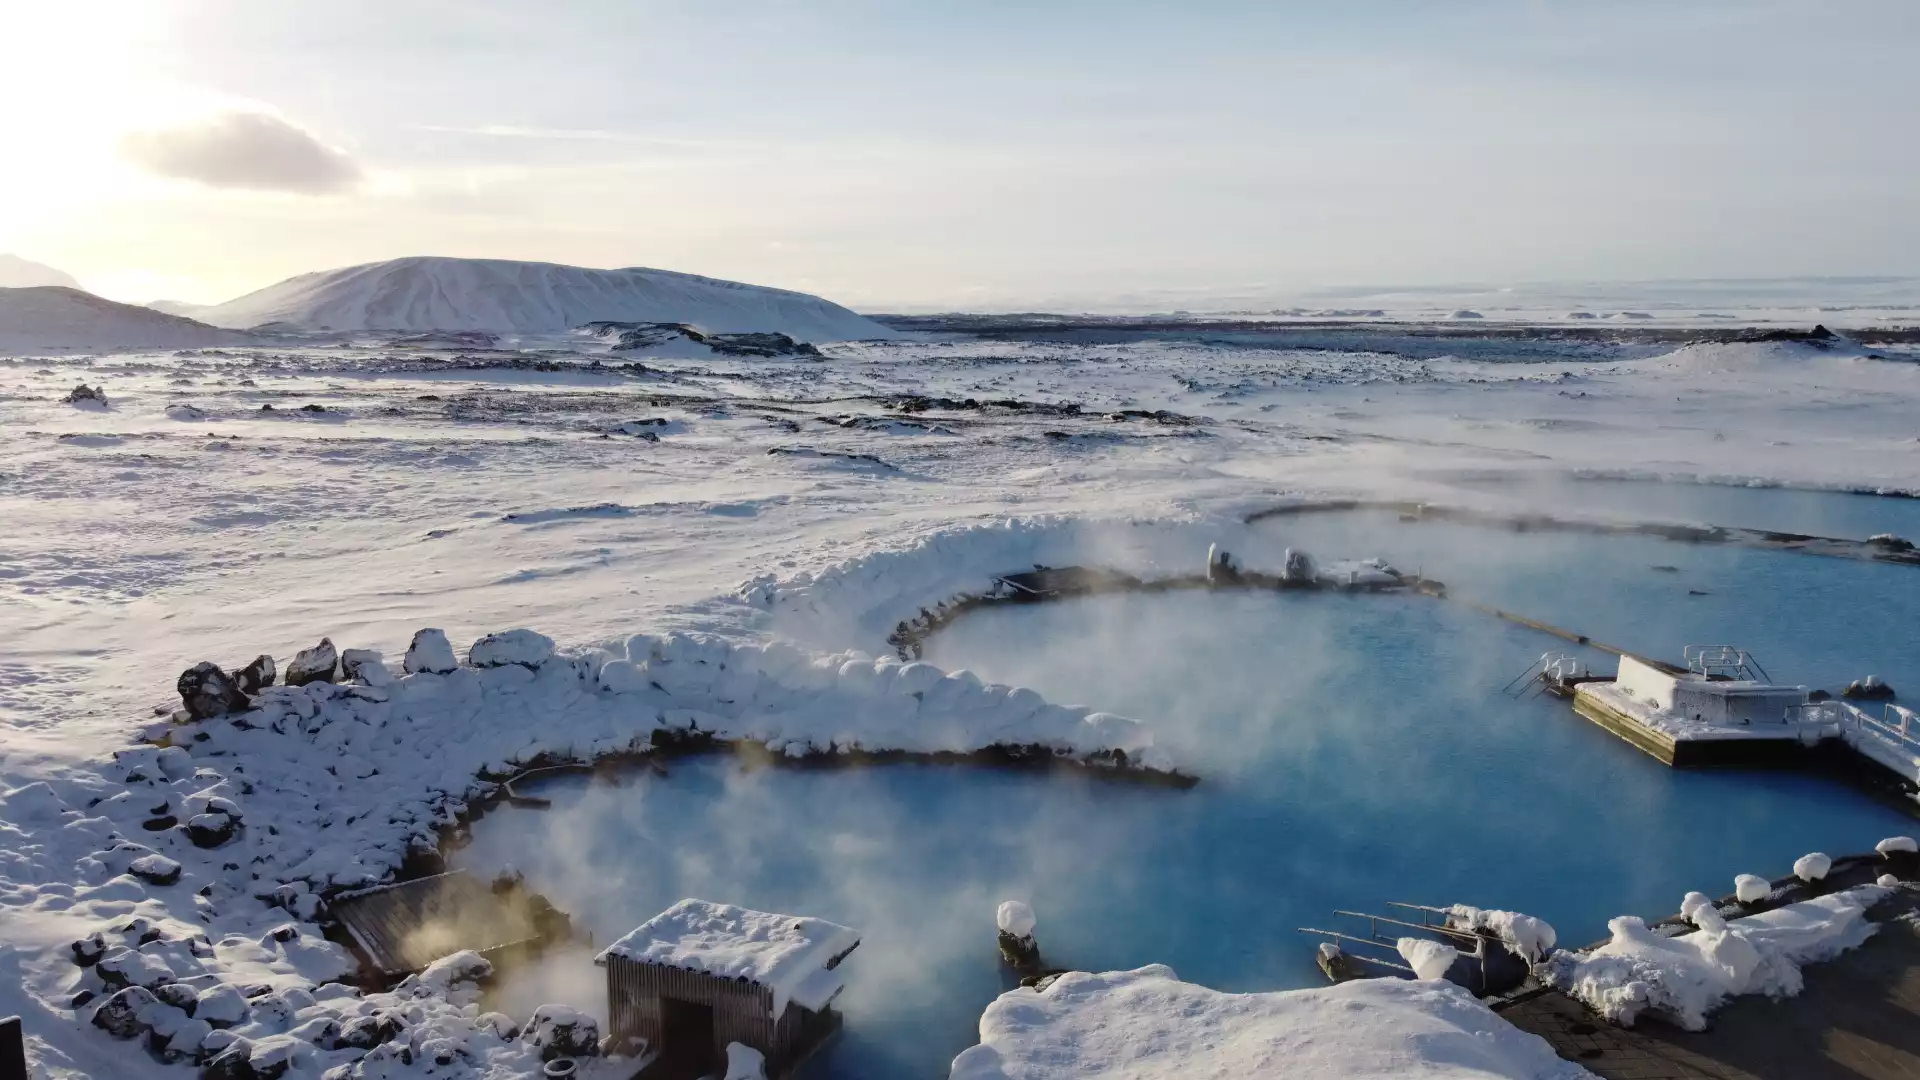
x=1353, y=748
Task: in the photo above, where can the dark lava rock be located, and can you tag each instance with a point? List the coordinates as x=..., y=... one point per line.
x=180, y=996
x=367, y=1032
x=88, y=950
x=210, y=830
x=1889, y=542
x=313, y=408
x=1819, y=336
x=314, y=665
x=232, y=1063
x=209, y=692
x=155, y=869
x=256, y=676
x=1868, y=689
x=632, y=336
x=121, y=1015
x=84, y=394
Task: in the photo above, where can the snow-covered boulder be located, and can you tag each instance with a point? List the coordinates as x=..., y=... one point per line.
x=1812, y=867
x=155, y=869
x=523, y=647
x=86, y=397
x=559, y=1031
x=430, y=652
x=365, y=666
x=1751, y=888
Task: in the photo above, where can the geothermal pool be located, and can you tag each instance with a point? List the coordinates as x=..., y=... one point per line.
x=1353, y=749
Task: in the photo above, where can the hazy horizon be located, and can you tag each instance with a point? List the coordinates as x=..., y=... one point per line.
x=917, y=157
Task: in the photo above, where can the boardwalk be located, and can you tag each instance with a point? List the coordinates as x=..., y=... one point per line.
x=1857, y=1019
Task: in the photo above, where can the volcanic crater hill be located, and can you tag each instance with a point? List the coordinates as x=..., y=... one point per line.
x=50, y=317
x=432, y=293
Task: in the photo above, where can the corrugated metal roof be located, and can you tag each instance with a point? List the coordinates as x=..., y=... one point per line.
x=404, y=927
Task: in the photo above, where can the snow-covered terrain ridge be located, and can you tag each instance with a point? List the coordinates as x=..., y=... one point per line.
x=19, y=273
x=49, y=317
x=431, y=293
x=1148, y=1025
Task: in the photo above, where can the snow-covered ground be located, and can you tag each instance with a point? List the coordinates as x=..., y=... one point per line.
x=225, y=504
x=1148, y=1025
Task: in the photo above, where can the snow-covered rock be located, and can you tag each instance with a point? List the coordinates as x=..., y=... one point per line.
x=1896, y=844
x=1148, y=1025
x=430, y=652
x=558, y=1031
x=523, y=647
x=1751, y=888
x=1016, y=918
x=428, y=293
x=206, y=691
x=1812, y=867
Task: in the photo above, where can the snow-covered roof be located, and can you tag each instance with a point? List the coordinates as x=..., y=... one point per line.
x=788, y=954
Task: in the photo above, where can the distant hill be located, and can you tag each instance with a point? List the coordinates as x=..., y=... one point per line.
x=19, y=273
x=429, y=293
x=46, y=318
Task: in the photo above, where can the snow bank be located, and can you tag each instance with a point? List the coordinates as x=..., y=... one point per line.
x=1148, y=1025
x=1686, y=978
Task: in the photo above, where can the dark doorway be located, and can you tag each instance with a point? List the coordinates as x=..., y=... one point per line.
x=687, y=1042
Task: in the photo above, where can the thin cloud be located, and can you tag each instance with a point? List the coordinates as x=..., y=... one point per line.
x=253, y=150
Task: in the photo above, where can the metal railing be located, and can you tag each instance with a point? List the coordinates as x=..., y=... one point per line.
x=1724, y=661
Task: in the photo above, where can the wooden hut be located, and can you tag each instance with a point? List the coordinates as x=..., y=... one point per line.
x=699, y=976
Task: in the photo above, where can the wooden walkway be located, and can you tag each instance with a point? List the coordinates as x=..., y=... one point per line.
x=1857, y=1019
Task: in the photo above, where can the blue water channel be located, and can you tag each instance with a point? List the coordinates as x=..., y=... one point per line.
x=1354, y=749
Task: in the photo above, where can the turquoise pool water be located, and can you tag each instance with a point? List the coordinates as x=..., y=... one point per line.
x=1354, y=748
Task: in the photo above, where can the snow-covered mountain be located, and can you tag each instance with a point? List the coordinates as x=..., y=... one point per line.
x=428, y=293
x=51, y=317
x=19, y=273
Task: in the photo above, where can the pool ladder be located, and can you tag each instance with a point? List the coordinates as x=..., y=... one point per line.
x=1550, y=670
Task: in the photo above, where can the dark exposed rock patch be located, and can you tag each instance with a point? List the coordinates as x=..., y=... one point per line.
x=207, y=691
x=314, y=665
x=631, y=336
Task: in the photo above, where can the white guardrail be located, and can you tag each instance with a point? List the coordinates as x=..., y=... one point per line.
x=1892, y=738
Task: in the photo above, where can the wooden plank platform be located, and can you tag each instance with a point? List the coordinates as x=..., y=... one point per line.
x=1785, y=749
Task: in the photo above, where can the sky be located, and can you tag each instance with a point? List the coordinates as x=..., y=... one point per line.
x=949, y=154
